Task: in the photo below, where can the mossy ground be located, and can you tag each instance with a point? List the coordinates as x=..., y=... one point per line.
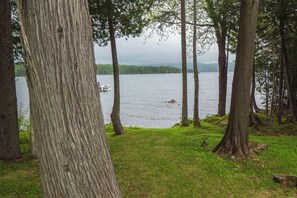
x=171, y=163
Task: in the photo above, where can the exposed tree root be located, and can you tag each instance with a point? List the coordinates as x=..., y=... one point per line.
x=286, y=180
x=227, y=150
x=254, y=120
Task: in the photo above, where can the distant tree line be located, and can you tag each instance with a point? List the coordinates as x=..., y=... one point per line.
x=106, y=69
x=132, y=69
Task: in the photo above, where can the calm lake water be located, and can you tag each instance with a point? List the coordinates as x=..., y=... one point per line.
x=144, y=98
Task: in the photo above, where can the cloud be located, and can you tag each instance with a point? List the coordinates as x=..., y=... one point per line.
x=150, y=51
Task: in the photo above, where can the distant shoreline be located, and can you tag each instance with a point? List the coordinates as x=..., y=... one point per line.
x=106, y=69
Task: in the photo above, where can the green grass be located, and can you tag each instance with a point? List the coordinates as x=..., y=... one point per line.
x=171, y=163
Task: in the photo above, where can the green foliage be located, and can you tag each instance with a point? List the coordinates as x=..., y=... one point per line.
x=128, y=18
x=268, y=51
x=23, y=120
x=24, y=137
x=19, y=69
x=16, y=29
x=130, y=69
x=24, y=131
x=171, y=163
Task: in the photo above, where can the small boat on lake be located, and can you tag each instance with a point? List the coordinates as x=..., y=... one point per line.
x=104, y=88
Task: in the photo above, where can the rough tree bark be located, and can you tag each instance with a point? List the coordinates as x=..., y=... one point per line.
x=285, y=62
x=222, y=75
x=32, y=130
x=72, y=148
x=235, y=141
x=195, y=67
x=9, y=133
x=115, y=114
x=31, y=105
x=185, y=121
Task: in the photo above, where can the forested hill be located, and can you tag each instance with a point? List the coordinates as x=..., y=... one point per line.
x=132, y=69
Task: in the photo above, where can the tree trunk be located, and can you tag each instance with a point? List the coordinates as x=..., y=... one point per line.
x=256, y=108
x=185, y=121
x=9, y=133
x=280, y=94
x=72, y=148
x=272, y=101
x=271, y=109
x=195, y=67
x=253, y=118
x=115, y=115
x=284, y=60
x=32, y=131
x=266, y=92
x=222, y=75
x=253, y=100
x=235, y=141
x=31, y=105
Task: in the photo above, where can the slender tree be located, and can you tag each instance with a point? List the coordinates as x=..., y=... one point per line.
x=115, y=19
x=72, y=148
x=185, y=121
x=285, y=60
x=195, y=68
x=222, y=15
x=9, y=139
x=115, y=114
x=235, y=141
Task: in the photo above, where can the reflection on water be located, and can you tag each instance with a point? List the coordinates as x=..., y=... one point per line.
x=144, y=98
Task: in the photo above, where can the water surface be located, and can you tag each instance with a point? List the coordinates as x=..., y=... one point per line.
x=144, y=97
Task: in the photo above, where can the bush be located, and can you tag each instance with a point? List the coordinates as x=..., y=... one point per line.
x=23, y=119
x=24, y=137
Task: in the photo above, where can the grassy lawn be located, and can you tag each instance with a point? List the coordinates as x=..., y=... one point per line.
x=171, y=163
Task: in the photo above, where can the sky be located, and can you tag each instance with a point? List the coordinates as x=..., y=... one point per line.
x=150, y=51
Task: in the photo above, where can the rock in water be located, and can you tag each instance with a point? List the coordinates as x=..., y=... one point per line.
x=172, y=101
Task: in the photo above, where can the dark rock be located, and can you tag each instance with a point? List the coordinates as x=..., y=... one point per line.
x=172, y=101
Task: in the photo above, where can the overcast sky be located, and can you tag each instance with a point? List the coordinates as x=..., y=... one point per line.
x=150, y=51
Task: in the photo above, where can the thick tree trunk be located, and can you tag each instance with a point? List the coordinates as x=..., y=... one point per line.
x=185, y=121
x=9, y=133
x=72, y=148
x=285, y=62
x=115, y=114
x=196, y=75
x=222, y=76
x=235, y=141
x=31, y=105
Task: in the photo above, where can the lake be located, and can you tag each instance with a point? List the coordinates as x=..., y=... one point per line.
x=144, y=97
